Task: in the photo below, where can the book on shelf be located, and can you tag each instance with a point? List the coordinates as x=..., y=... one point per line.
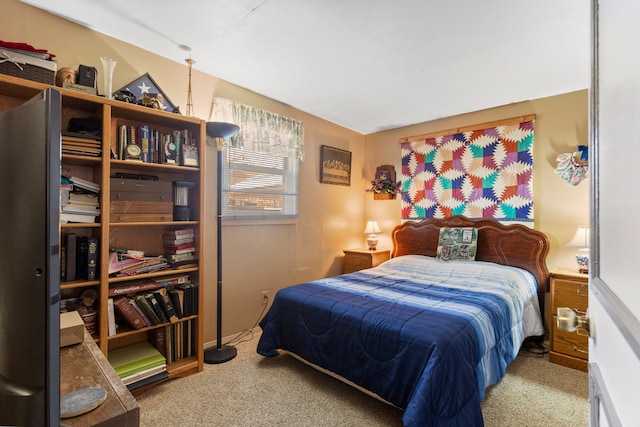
x=179, y=240
x=92, y=268
x=190, y=306
x=172, y=234
x=111, y=314
x=85, y=184
x=127, y=311
x=165, y=303
x=180, y=246
x=154, y=264
x=177, y=299
x=127, y=264
x=145, y=143
x=146, y=307
x=155, y=305
x=146, y=373
x=142, y=314
x=80, y=209
x=89, y=199
x=66, y=218
x=81, y=146
x=148, y=380
x=63, y=261
x=132, y=286
x=185, y=249
x=177, y=260
x=158, y=338
x=141, y=285
x=171, y=280
x=135, y=358
x=71, y=256
x=189, y=338
x=82, y=261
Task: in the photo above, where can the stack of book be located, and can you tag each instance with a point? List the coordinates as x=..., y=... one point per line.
x=150, y=302
x=79, y=200
x=138, y=365
x=180, y=246
x=79, y=258
x=175, y=341
x=81, y=146
x=131, y=264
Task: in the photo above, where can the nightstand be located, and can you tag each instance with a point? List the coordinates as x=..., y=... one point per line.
x=568, y=289
x=359, y=259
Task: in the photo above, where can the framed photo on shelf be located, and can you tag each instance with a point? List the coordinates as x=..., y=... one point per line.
x=335, y=166
x=148, y=93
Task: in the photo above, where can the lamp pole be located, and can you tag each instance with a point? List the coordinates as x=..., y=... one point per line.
x=220, y=353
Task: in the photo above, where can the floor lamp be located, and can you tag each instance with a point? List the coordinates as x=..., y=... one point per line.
x=218, y=132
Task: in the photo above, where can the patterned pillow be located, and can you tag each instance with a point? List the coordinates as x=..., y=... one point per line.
x=457, y=243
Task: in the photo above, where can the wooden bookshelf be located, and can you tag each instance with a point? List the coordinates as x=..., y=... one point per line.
x=143, y=235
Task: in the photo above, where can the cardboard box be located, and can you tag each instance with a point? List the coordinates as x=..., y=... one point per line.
x=71, y=328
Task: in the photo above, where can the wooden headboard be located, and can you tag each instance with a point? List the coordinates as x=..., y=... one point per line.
x=515, y=245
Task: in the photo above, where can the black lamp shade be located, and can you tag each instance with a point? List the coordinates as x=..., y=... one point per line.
x=221, y=129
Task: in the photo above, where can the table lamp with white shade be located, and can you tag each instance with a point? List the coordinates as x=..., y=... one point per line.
x=372, y=229
x=580, y=240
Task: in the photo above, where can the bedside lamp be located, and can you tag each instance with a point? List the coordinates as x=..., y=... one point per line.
x=581, y=240
x=372, y=229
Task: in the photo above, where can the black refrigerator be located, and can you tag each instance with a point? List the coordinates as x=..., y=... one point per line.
x=29, y=262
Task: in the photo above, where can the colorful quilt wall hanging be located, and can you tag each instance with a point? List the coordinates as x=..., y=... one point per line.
x=485, y=172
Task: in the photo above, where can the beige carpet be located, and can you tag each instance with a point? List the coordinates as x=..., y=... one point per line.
x=251, y=390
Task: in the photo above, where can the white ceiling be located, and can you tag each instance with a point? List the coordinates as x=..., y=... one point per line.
x=368, y=65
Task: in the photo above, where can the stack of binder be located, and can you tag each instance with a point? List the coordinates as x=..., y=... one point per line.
x=138, y=365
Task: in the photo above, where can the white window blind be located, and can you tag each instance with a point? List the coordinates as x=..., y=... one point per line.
x=260, y=164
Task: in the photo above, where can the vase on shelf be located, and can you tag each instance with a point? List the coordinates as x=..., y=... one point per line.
x=384, y=196
x=108, y=65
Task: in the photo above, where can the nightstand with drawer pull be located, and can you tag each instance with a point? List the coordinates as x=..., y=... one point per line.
x=569, y=289
x=359, y=259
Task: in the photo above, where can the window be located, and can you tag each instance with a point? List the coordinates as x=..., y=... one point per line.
x=258, y=185
x=260, y=164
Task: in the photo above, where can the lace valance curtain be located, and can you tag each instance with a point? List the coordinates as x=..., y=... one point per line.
x=261, y=131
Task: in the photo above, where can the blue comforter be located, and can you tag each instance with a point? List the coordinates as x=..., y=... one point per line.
x=427, y=336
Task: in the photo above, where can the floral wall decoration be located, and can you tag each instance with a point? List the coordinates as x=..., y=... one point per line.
x=483, y=171
x=573, y=168
x=384, y=185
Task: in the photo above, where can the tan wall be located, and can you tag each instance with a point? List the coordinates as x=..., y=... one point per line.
x=268, y=257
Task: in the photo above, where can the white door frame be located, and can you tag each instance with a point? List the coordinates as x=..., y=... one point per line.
x=620, y=315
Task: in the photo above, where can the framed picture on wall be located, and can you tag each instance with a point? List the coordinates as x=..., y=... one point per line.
x=335, y=166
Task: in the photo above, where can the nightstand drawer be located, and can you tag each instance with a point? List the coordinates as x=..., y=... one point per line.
x=359, y=259
x=570, y=293
x=570, y=343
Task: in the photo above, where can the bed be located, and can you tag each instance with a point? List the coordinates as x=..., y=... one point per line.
x=424, y=332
